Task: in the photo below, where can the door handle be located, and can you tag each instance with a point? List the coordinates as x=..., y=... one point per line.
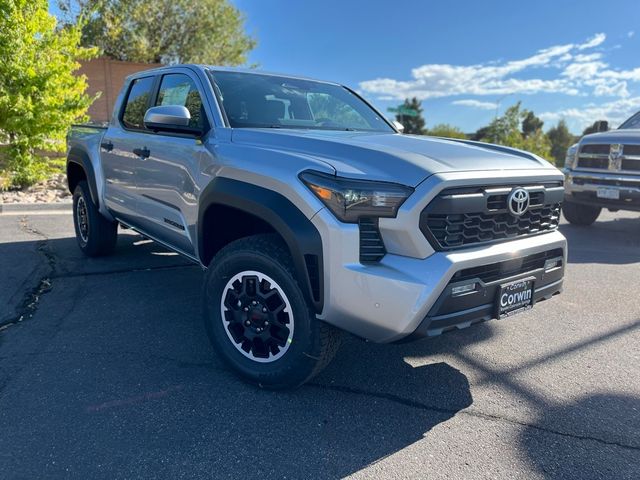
x=108, y=146
x=142, y=152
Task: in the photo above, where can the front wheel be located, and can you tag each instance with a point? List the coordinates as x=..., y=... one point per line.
x=258, y=319
x=580, y=214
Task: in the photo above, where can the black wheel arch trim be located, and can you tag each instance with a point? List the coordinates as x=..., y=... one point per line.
x=78, y=156
x=299, y=233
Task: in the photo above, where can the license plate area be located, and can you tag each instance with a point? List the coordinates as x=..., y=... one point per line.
x=608, y=193
x=514, y=297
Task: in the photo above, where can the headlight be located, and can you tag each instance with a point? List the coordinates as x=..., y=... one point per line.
x=572, y=156
x=350, y=199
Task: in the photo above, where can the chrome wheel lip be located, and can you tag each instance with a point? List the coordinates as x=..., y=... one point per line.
x=287, y=309
x=82, y=219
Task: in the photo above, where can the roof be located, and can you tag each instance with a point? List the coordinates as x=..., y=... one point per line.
x=215, y=68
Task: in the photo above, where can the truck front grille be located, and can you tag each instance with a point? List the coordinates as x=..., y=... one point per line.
x=596, y=157
x=464, y=217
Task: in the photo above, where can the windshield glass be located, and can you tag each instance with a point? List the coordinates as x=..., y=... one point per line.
x=633, y=122
x=266, y=101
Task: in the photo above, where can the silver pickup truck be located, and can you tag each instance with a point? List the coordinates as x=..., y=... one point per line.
x=312, y=214
x=603, y=171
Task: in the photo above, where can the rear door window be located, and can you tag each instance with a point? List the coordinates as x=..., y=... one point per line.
x=137, y=103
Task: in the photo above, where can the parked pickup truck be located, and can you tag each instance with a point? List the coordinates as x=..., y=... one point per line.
x=312, y=214
x=603, y=171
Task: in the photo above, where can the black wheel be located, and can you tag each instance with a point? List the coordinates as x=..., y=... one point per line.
x=580, y=214
x=257, y=317
x=95, y=234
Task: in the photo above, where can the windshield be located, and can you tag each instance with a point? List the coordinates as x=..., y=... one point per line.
x=633, y=122
x=266, y=101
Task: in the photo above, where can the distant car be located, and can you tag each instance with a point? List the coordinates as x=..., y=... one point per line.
x=312, y=213
x=603, y=171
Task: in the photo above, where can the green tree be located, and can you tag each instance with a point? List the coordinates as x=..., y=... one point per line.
x=164, y=31
x=531, y=124
x=505, y=130
x=561, y=139
x=445, y=130
x=414, y=125
x=39, y=94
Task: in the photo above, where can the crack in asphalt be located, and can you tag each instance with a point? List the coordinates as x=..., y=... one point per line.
x=31, y=299
x=471, y=413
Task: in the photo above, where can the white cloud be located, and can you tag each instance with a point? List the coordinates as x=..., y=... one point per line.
x=615, y=112
x=611, y=90
x=475, y=104
x=631, y=33
x=498, y=78
x=596, y=40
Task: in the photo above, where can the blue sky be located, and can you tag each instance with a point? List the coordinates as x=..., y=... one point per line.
x=574, y=60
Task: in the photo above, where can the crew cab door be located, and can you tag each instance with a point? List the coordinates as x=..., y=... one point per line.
x=167, y=179
x=119, y=161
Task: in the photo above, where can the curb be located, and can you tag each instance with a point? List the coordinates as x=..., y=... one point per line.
x=34, y=207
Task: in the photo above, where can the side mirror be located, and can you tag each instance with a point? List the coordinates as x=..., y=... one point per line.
x=602, y=126
x=399, y=126
x=169, y=118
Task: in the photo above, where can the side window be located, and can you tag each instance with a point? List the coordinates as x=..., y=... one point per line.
x=137, y=102
x=179, y=89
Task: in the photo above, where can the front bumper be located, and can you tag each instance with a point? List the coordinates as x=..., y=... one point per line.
x=582, y=187
x=390, y=300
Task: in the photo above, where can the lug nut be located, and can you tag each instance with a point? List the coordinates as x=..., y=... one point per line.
x=254, y=303
x=266, y=323
x=264, y=309
x=246, y=309
x=247, y=323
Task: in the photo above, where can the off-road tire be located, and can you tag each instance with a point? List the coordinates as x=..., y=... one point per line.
x=313, y=343
x=96, y=235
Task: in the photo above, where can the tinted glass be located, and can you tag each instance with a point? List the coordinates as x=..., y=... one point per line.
x=633, y=122
x=269, y=101
x=137, y=102
x=179, y=89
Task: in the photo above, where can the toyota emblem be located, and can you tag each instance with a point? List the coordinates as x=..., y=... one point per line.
x=518, y=201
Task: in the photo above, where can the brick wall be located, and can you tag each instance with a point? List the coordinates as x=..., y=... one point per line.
x=107, y=76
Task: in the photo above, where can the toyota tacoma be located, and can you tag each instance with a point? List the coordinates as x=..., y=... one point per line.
x=312, y=214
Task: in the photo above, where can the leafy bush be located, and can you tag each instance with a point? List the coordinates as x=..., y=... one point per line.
x=40, y=97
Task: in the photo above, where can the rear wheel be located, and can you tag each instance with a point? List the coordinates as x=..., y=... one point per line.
x=95, y=234
x=258, y=319
x=580, y=214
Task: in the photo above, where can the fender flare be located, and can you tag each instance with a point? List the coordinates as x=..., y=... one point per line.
x=300, y=235
x=78, y=156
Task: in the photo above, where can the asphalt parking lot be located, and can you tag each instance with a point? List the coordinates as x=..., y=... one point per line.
x=108, y=374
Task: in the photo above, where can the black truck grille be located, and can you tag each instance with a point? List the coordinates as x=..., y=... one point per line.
x=462, y=217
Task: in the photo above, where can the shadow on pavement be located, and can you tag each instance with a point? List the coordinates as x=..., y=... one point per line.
x=614, y=241
x=563, y=457
x=127, y=381
x=30, y=268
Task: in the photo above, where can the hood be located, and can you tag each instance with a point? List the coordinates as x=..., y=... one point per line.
x=405, y=159
x=626, y=136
